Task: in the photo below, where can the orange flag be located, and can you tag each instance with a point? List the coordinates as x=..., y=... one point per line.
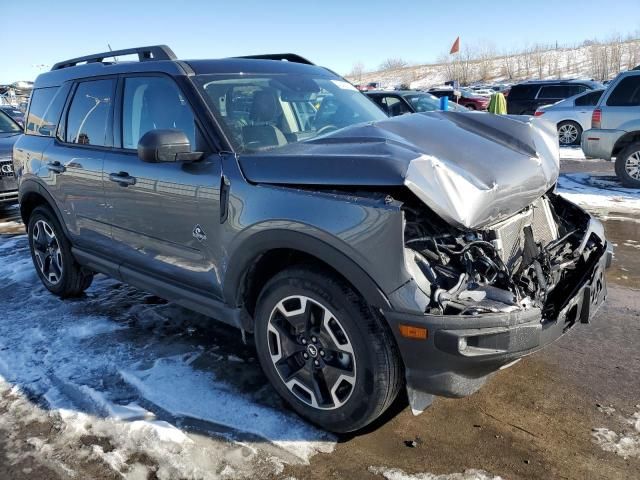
x=455, y=48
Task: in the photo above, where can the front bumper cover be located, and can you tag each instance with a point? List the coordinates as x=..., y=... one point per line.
x=461, y=352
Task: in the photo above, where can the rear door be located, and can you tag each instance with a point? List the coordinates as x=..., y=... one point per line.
x=622, y=102
x=164, y=217
x=74, y=161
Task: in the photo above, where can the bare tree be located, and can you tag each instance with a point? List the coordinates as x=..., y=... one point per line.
x=539, y=58
x=393, y=64
x=356, y=71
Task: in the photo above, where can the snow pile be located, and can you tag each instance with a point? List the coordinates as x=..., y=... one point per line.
x=144, y=376
x=626, y=443
x=397, y=474
x=598, y=192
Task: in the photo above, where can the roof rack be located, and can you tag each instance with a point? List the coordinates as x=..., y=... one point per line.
x=289, y=57
x=153, y=52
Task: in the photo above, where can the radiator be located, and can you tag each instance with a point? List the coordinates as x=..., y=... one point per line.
x=509, y=234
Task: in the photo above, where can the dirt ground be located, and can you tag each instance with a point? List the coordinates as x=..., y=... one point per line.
x=535, y=420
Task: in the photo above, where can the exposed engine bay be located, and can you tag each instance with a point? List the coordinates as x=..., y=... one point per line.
x=533, y=259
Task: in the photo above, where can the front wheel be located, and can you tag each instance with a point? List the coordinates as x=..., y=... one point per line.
x=51, y=254
x=569, y=133
x=628, y=166
x=326, y=352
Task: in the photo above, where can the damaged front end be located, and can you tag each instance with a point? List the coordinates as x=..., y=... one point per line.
x=489, y=296
x=514, y=265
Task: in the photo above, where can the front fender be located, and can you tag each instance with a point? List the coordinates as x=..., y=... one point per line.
x=259, y=242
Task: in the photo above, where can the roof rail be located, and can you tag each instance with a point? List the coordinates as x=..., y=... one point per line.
x=289, y=57
x=153, y=52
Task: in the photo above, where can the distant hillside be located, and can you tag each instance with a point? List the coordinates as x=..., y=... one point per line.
x=600, y=61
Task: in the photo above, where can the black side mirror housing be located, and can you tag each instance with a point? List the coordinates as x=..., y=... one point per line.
x=166, y=145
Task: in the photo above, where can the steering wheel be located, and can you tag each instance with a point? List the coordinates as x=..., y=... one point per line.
x=326, y=129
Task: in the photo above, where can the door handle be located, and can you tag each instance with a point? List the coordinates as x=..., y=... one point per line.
x=122, y=178
x=56, y=167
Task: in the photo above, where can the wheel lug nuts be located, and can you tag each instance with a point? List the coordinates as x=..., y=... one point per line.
x=322, y=353
x=314, y=339
x=305, y=355
x=316, y=363
x=304, y=341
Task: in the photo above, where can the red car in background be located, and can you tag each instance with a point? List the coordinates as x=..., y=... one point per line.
x=465, y=98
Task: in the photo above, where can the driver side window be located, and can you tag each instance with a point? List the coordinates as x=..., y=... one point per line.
x=154, y=103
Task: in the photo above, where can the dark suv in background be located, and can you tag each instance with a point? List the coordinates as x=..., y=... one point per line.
x=10, y=130
x=363, y=253
x=524, y=98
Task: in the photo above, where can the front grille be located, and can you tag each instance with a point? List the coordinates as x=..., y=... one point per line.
x=509, y=234
x=6, y=168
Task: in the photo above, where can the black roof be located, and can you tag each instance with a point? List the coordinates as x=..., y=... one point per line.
x=160, y=58
x=568, y=81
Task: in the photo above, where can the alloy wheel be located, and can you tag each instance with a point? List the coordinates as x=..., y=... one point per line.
x=47, y=252
x=632, y=165
x=311, y=352
x=568, y=134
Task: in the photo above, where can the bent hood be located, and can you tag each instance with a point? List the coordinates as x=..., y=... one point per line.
x=471, y=169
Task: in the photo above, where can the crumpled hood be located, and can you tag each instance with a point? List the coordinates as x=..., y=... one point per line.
x=471, y=169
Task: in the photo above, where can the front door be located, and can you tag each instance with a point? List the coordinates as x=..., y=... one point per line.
x=164, y=216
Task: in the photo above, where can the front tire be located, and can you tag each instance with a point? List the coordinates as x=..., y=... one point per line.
x=628, y=166
x=325, y=351
x=569, y=133
x=52, y=258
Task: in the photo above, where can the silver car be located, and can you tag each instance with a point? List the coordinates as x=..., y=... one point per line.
x=571, y=116
x=615, y=127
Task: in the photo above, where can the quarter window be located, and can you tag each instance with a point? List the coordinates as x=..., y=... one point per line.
x=154, y=103
x=89, y=113
x=553, y=92
x=589, y=99
x=45, y=108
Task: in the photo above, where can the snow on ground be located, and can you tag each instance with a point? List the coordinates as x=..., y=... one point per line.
x=601, y=193
x=146, y=376
x=397, y=474
x=572, y=153
x=625, y=443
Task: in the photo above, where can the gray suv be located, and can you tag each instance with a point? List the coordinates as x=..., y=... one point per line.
x=363, y=254
x=615, y=128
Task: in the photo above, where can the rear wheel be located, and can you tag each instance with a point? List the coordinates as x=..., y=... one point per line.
x=51, y=254
x=628, y=166
x=569, y=133
x=326, y=352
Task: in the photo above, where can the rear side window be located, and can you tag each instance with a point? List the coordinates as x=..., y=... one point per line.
x=89, y=113
x=589, y=99
x=626, y=93
x=45, y=108
x=554, y=91
x=523, y=92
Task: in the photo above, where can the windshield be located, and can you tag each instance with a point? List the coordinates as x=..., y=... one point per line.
x=423, y=103
x=265, y=111
x=7, y=125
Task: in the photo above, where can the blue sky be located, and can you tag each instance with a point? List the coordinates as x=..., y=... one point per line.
x=332, y=33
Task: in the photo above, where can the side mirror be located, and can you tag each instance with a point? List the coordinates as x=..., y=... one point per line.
x=169, y=145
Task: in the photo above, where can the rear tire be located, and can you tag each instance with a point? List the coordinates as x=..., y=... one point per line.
x=628, y=166
x=569, y=133
x=52, y=258
x=325, y=351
